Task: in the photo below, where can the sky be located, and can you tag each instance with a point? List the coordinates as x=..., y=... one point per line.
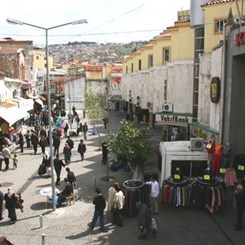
x=108, y=20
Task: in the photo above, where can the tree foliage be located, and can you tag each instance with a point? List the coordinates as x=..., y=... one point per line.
x=94, y=106
x=130, y=142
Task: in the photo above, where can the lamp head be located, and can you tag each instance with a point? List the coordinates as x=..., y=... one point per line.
x=14, y=22
x=77, y=22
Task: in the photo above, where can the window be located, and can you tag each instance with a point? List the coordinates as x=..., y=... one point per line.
x=165, y=55
x=219, y=25
x=165, y=90
x=150, y=60
x=132, y=67
x=139, y=65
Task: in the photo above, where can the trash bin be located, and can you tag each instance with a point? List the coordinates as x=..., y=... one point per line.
x=135, y=191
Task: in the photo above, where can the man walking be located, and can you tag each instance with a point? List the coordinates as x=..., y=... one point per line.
x=154, y=194
x=70, y=142
x=34, y=141
x=99, y=202
x=71, y=177
x=58, y=164
x=85, y=131
x=81, y=149
x=7, y=155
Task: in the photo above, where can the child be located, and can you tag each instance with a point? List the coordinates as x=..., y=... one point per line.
x=15, y=161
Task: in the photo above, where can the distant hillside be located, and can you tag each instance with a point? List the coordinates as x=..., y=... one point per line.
x=92, y=52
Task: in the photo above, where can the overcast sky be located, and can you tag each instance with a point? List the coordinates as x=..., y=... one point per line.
x=108, y=20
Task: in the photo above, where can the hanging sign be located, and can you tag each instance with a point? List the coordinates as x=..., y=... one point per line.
x=215, y=90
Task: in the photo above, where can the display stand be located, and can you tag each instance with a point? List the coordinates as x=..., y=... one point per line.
x=176, y=192
x=134, y=191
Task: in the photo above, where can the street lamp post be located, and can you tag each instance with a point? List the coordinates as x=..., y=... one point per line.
x=77, y=22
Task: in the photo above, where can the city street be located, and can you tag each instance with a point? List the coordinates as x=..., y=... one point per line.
x=68, y=224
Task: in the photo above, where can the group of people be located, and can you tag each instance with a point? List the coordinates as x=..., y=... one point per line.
x=115, y=205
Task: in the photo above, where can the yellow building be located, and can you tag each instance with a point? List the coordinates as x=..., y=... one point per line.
x=174, y=44
x=215, y=15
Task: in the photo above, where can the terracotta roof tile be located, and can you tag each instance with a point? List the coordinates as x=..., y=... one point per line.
x=213, y=2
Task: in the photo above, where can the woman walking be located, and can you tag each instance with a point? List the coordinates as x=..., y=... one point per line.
x=10, y=204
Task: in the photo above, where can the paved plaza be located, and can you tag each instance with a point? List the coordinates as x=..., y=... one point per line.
x=68, y=225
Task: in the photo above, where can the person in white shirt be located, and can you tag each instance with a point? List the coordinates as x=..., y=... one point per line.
x=118, y=204
x=155, y=189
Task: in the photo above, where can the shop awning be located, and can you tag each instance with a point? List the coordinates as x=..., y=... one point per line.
x=14, y=114
x=39, y=102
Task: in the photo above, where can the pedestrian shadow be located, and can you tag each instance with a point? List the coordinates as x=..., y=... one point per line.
x=79, y=235
x=38, y=206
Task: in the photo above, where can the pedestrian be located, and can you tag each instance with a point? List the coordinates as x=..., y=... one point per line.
x=58, y=164
x=77, y=119
x=21, y=141
x=1, y=204
x=56, y=143
x=34, y=141
x=99, y=203
x=144, y=220
x=67, y=153
x=71, y=177
x=240, y=204
x=84, y=113
x=118, y=204
x=47, y=164
x=81, y=149
x=43, y=143
x=10, y=205
x=28, y=138
x=85, y=131
x=68, y=190
x=111, y=192
x=43, y=132
x=154, y=194
x=7, y=155
x=66, y=129
x=80, y=128
x=70, y=142
x=104, y=153
x=105, y=120
x=15, y=161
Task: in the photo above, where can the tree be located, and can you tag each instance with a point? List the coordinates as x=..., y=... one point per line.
x=94, y=109
x=130, y=142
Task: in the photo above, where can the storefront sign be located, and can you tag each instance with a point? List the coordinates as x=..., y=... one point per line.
x=240, y=39
x=175, y=119
x=200, y=131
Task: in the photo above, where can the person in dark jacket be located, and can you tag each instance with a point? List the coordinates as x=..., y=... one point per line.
x=144, y=219
x=43, y=143
x=68, y=190
x=240, y=204
x=81, y=149
x=34, y=141
x=67, y=154
x=71, y=177
x=1, y=205
x=10, y=204
x=104, y=153
x=99, y=203
x=58, y=164
x=56, y=144
x=21, y=141
x=70, y=142
x=28, y=139
x=66, y=129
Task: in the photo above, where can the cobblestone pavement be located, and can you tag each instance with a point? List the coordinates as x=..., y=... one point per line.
x=68, y=225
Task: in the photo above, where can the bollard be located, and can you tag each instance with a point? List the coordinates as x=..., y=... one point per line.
x=79, y=193
x=43, y=239
x=41, y=221
x=94, y=182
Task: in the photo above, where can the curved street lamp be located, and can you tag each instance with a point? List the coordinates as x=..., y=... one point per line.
x=76, y=22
